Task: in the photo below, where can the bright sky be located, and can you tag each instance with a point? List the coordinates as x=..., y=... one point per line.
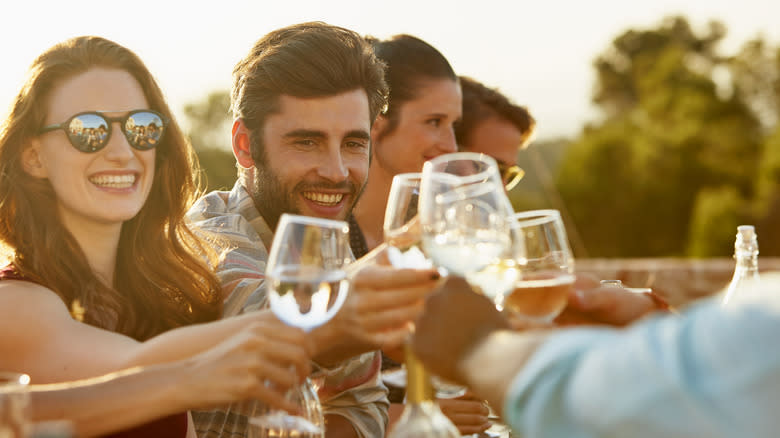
x=539, y=53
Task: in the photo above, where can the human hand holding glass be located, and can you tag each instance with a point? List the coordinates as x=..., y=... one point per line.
x=307, y=284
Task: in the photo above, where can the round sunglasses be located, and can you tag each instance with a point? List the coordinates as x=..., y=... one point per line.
x=90, y=131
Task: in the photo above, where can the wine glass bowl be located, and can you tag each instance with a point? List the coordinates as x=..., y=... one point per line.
x=402, y=230
x=463, y=212
x=307, y=283
x=306, y=271
x=545, y=265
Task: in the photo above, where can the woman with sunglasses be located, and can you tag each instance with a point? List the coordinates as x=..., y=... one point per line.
x=95, y=178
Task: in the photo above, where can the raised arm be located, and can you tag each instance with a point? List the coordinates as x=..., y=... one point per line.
x=233, y=370
x=52, y=347
x=673, y=376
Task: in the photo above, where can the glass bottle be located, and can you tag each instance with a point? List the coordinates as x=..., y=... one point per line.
x=422, y=416
x=745, y=277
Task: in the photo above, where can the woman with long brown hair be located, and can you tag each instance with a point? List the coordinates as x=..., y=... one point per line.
x=94, y=227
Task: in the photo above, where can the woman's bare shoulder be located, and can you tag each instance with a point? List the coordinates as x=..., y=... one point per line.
x=19, y=298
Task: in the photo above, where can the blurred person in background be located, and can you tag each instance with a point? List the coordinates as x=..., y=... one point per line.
x=493, y=125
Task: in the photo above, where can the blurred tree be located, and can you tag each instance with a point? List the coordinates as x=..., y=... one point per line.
x=670, y=139
x=755, y=75
x=209, y=131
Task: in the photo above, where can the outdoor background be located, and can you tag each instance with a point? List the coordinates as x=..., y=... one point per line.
x=658, y=121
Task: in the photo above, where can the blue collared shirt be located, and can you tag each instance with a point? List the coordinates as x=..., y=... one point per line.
x=712, y=372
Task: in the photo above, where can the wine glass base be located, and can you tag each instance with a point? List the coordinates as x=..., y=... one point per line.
x=284, y=421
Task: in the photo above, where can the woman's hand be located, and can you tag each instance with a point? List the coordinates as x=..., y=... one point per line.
x=468, y=413
x=261, y=362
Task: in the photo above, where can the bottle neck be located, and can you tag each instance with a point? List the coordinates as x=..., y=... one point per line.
x=746, y=260
x=418, y=382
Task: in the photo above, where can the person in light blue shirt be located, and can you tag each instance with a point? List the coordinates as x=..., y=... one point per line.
x=711, y=371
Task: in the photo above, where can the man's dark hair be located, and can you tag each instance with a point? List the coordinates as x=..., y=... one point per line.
x=306, y=60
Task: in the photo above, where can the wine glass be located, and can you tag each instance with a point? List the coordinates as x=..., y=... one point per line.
x=463, y=218
x=463, y=213
x=15, y=405
x=307, y=284
x=402, y=233
x=545, y=265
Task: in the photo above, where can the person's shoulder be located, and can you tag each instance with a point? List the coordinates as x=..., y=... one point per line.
x=214, y=203
x=14, y=288
x=23, y=299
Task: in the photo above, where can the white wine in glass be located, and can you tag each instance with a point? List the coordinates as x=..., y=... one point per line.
x=307, y=284
x=403, y=236
x=545, y=265
x=463, y=212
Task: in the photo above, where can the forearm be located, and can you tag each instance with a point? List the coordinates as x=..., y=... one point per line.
x=113, y=402
x=493, y=350
x=184, y=342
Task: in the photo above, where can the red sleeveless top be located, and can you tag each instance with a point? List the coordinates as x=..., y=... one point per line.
x=173, y=426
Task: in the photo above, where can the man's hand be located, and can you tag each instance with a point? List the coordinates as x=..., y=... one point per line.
x=378, y=312
x=455, y=320
x=591, y=303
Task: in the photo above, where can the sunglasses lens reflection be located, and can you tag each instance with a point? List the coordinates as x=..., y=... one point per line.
x=144, y=129
x=88, y=132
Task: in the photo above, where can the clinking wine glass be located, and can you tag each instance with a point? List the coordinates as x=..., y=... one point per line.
x=307, y=284
x=463, y=214
x=545, y=266
x=403, y=234
x=402, y=231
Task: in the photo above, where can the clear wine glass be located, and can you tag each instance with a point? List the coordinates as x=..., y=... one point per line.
x=307, y=284
x=402, y=231
x=463, y=217
x=545, y=265
x=403, y=234
x=463, y=213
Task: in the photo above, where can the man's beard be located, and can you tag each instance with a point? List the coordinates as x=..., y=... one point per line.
x=273, y=198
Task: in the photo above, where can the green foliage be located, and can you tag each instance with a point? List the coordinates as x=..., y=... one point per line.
x=675, y=163
x=716, y=216
x=209, y=132
x=218, y=168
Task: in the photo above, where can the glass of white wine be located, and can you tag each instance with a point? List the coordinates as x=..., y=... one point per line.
x=403, y=236
x=307, y=284
x=464, y=213
x=545, y=265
